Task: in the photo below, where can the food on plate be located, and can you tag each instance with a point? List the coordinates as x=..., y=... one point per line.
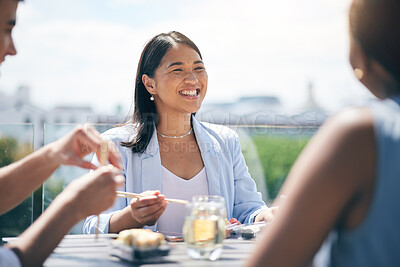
x=251, y=230
x=231, y=227
x=247, y=233
x=234, y=221
x=141, y=238
x=174, y=238
x=136, y=244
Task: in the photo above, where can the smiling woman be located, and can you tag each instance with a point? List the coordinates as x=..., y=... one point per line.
x=164, y=148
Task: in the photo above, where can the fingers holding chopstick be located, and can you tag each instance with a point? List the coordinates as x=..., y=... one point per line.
x=134, y=195
x=105, y=150
x=108, y=152
x=148, y=208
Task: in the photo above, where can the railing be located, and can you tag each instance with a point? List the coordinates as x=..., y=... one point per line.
x=269, y=152
x=16, y=141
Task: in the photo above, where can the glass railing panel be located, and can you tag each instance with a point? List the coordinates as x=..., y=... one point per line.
x=271, y=138
x=270, y=152
x=16, y=141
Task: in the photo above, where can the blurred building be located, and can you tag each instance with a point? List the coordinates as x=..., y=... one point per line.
x=18, y=109
x=246, y=111
x=264, y=110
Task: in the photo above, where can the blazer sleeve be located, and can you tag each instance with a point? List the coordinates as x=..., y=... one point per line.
x=247, y=201
x=90, y=224
x=9, y=258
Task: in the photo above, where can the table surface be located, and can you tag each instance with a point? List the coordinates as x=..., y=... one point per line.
x=85, y=250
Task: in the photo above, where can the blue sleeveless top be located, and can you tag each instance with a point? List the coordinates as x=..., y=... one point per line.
x=376, y=240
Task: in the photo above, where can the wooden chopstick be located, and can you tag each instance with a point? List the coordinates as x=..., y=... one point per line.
x=103, y=153
x=103, y=161
x=134, y=195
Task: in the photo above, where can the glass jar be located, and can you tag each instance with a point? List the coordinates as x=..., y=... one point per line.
x=204, y=227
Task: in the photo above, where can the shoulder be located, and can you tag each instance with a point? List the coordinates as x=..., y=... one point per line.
x=124, y=133
x=345, y=140
x=349, y=124
x=346, y=143
x=341, y=156
x=218, y=137
x=219, y=131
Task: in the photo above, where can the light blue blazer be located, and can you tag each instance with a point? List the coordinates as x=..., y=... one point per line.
x=226, y=170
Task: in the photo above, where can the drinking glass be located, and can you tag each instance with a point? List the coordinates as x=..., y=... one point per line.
x=204, y=227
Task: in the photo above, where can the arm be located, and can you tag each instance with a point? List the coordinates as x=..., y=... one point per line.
x=325, y=187
x=247, y=203
x=96, y=190
x=34, y=169
x=139, y=213
x=24, y=176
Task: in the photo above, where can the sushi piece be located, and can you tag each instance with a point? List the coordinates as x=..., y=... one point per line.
x=141, y=238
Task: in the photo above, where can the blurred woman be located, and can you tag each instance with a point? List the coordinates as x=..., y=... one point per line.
x=348, y=177
x=165, y=148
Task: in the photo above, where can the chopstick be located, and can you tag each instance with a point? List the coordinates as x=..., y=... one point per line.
x=103, y=161
x=134, y=195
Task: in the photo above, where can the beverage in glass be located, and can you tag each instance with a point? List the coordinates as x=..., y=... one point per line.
x=204, y=227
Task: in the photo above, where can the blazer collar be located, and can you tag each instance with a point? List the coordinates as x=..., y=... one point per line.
x=210, y=152
x=153, y=147
x=209, y=148
x=206, y=142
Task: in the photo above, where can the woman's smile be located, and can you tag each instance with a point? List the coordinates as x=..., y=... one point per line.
x=180, y=82
x=190, y=93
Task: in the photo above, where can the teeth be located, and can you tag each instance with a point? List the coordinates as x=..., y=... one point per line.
x=189, y=92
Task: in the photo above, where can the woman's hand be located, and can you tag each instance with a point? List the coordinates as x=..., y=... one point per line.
x=267, y=215
x=83, y=140
x=148, y=209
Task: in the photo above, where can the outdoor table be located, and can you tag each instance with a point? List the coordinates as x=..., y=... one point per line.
x=85, y=250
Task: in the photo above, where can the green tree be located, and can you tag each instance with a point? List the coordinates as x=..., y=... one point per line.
x=277, y=155
x=18, y=219
x=8, y=150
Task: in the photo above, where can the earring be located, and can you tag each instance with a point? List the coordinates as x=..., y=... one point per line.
x=359, y=73
x=152, y=98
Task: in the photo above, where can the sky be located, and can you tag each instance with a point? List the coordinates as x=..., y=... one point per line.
x=85, y=53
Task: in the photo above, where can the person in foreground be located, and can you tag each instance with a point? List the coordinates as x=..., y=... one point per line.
x=19, y=179
x=348, y=178
x=165, y=149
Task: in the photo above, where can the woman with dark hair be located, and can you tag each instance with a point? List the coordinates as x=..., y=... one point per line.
x=347, y=181
x=164, y=148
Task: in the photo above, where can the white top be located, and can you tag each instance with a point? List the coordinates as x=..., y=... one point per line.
x=171, y=221
x=8, y=258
